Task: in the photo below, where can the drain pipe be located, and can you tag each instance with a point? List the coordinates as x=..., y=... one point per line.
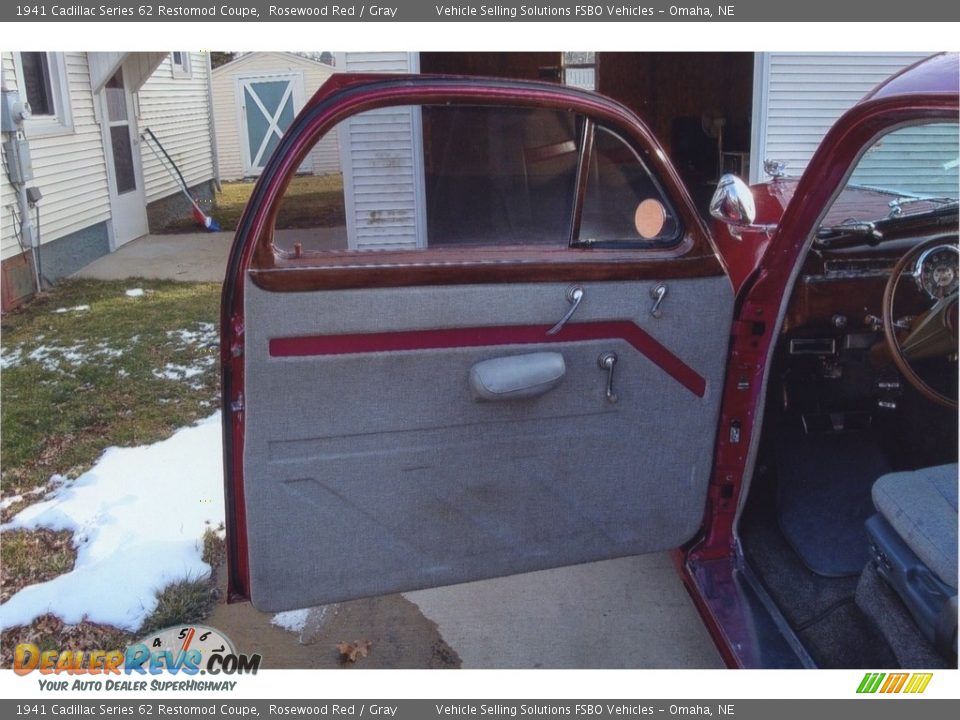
x=212, y=126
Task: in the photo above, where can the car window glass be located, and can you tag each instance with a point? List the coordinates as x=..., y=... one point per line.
x=624, y=205
x=917, y=161
x=912, y=169
x=407, y=178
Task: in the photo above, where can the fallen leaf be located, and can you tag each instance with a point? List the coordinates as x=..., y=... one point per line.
x=353, y=651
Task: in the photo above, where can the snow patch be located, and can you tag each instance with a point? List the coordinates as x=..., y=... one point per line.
x=11, y=358
x=134, y=292
x=203, y=335
x=138, y=518
x=200, y=336
x=292, y=620
x=53, y=358
x=8, y=501
x=75, y=308
x=171, y=371
x=12, y=499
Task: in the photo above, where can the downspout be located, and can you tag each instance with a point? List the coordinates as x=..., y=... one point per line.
x=212, y=126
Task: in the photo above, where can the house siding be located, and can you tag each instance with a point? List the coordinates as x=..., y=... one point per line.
x=799, y=96
x=918, y=160
x=382, y=157
x=178, y=112
x=69, y=168
x=323, y=159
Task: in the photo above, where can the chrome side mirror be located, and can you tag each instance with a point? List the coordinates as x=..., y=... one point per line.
x=732, y=202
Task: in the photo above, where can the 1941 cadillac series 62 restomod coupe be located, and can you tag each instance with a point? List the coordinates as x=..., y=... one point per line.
x=517, y=345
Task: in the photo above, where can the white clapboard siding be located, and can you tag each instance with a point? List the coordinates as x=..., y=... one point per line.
x=381, y=153
x=68, y=167
x=177, y=109
x=798, y=97
x=379, y=62
x=916, y=161
x=324, y=159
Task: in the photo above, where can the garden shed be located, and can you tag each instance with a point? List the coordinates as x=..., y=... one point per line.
x=255, y=98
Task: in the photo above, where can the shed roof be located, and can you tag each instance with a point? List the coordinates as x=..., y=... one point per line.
x=252, y=57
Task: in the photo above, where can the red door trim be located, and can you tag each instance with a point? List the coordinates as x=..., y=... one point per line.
x=310, y=345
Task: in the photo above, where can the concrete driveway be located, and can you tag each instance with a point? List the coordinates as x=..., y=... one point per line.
x=627, y=613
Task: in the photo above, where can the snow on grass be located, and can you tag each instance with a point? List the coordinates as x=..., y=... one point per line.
x=172, y=371
x=292, y=620
x=11, y=358
x=135, y=292
x=138, y=518
x=75, y=308
x=57, y=358
x=13, y=499
x=203, y=335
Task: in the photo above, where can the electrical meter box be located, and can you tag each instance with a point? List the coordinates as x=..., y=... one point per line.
x=11, y=112
x=17, y=155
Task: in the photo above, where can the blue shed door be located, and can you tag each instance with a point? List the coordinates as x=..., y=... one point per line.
x=268, y=106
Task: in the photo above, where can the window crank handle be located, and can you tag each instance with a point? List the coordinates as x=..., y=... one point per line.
x=606, y=361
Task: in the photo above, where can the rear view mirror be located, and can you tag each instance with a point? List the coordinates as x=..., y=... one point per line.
x=732, y=202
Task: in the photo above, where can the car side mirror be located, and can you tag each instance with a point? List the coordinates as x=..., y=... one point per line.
x=732, y=202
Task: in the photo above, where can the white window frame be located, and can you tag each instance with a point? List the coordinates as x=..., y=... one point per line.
x=61, y=121
x=182, y=70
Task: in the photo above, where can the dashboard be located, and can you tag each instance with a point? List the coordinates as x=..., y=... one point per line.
x=841, y=291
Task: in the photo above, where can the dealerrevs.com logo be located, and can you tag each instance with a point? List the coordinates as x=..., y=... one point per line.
x=181, y=649
x=912, y=683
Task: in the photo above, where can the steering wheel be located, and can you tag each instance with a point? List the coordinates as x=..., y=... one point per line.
x=934, y=333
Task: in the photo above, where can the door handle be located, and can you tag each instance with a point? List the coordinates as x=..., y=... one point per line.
x=574, y=297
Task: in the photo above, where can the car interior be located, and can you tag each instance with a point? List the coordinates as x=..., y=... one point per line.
x=851, y=520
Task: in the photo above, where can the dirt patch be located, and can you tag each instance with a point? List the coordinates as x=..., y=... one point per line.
x=400, y=636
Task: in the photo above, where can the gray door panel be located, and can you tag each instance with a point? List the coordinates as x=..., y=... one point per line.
x=375, y=472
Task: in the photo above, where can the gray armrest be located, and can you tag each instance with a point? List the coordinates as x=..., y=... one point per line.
x=517, y=376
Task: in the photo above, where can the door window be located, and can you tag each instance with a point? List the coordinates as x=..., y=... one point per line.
x=624, y=205
x=119, y=121
x=462, y=176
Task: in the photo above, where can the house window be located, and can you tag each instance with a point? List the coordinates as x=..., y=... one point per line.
x=43, y=83
x=580, y=70
x=180, y=62
x=36, y=83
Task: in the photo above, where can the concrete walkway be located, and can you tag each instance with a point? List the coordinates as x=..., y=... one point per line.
x=631, y=612
x=194, y=257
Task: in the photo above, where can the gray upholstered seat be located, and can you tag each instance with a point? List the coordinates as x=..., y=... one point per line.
x=921, y=506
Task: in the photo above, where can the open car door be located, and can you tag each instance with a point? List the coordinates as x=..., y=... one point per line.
x=502, y=349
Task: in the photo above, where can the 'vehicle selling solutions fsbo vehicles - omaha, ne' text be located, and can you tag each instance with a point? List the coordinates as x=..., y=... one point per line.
x=531, y=351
